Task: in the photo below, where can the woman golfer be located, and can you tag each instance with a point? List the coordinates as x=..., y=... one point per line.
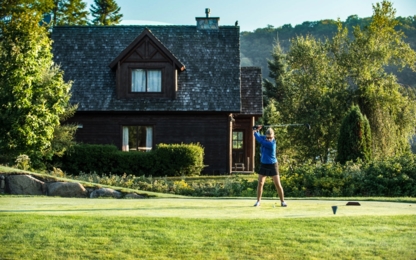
x=269, y=165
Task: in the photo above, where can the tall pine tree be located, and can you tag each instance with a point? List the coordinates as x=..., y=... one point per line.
x=105, y=12
x=70, y=12
x=277, y=70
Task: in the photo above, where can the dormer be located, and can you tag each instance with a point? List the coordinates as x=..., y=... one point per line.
x=146, y=68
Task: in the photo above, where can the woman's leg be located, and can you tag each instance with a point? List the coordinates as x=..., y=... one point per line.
x=260, y=185
x=279, y=188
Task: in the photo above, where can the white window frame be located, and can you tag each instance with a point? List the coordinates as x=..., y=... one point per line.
x=148, y=146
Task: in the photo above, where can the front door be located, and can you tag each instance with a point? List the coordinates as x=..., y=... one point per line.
x=239, y=153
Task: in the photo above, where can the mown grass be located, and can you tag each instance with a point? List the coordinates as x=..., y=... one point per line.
x=79, y=237
x=59, y=228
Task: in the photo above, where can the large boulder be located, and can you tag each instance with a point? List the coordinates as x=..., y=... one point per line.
x=66, y=189
x=106, y=192
x=2, y=184
x=25, y=185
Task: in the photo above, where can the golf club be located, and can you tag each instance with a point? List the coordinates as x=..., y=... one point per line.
x=308, y=126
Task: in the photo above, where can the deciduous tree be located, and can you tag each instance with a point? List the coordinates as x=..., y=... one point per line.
x=324, y=78
x=380, y=97
x=33, y=93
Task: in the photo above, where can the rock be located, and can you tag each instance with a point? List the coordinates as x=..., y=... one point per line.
x=25, y=185
x=66, y=189
x=133, y=196
x=2, y=184
x=105, y=192
x=89, y=190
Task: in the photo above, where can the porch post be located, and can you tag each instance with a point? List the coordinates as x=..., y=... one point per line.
x=253, y=146
x=230, y=143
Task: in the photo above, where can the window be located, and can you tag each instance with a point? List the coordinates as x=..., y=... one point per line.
x=144, y=80
x=146, y=69
x=238, y=140
x=137, y=138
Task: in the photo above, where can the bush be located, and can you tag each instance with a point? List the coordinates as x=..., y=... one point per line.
x=354, y=140
x=165, y=160
x=392, y=177
x=88, y=158
x=179, y=159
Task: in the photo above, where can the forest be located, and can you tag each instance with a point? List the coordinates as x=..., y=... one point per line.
x=257, y=46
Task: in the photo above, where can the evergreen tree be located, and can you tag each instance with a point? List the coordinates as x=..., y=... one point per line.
x=355, y=138
x=33, y=93
x=277, y=70
x=70, y=12
x=105, y=12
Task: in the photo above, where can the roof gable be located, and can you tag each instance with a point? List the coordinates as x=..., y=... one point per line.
x=146, y=47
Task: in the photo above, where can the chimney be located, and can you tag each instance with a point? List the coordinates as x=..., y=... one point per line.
x=207, y=23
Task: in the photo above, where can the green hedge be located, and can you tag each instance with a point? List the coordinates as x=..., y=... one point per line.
x=395, y=177
x=165, y=160
x=392, y=177
x=179, y=159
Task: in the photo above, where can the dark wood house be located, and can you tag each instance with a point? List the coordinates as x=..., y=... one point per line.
x=138, y=86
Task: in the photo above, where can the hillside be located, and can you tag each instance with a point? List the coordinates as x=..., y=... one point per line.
x=256, y=46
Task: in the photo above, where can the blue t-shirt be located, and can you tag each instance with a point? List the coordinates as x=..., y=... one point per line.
x=267, y=149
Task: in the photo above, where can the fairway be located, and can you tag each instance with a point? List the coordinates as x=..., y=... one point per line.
x=204, y=228
x=200, y=208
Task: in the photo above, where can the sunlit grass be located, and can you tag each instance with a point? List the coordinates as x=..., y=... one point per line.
x=28, y=236
x=63, y=228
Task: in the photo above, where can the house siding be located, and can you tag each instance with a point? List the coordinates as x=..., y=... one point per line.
x=210, y=130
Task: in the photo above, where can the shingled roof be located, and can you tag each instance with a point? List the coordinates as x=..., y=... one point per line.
x=211, y=81
x=251, y=91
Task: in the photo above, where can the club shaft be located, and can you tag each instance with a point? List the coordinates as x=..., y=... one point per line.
x=283, y=125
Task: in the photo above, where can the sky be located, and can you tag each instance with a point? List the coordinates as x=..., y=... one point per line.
x=251, y=14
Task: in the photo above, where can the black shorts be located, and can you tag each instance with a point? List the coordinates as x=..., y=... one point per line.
x=269, y=169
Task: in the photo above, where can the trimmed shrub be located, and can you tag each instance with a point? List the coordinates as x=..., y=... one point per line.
x=88, y=158
x=179, y=159
x=354, y=138
x=165, y=160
